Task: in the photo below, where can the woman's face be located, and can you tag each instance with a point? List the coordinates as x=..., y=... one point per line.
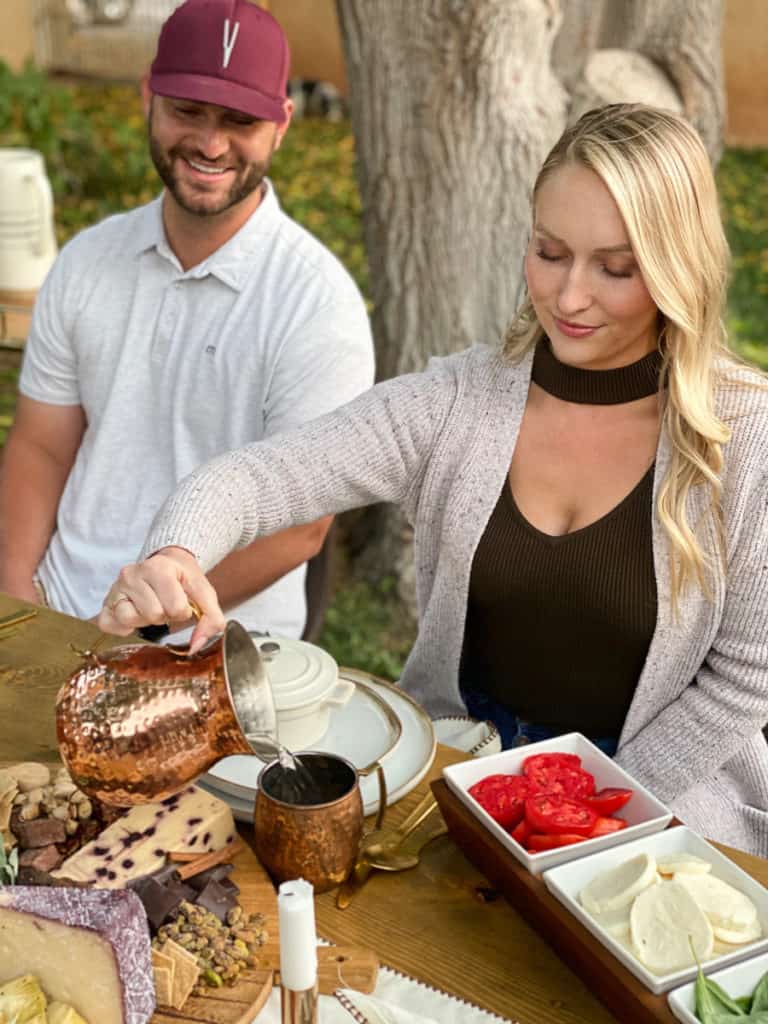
x=583, y=279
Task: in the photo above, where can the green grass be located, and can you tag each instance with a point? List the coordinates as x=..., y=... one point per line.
x=93, y=140
x=742, y=179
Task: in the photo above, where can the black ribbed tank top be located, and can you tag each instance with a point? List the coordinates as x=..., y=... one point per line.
x=558, y=628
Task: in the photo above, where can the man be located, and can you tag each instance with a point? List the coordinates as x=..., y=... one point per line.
x=164, y=336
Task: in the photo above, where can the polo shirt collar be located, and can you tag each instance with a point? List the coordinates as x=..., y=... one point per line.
x=230, y=263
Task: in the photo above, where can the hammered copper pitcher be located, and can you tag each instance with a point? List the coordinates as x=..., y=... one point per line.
x=138, y=722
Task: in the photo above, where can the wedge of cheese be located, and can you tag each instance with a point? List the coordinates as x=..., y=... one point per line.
x=669, y=930
x=88, y=949
x=138, y=843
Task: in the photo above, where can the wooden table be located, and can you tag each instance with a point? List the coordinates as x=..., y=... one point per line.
x=440, y=922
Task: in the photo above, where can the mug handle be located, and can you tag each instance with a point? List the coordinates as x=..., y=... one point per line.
x=365, y=772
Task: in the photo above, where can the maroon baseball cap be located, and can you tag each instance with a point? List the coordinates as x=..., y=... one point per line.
x=228, y=52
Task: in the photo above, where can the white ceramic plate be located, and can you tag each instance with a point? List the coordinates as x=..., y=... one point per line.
x=568, y=880
x=644, y=813
x=737, y=981
x=360, y=732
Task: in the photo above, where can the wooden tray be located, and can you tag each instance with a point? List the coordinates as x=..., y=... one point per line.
x=338, y=967
x=607, y=978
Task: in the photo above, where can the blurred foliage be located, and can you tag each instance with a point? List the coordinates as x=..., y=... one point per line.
x=742, y=179
x=367, y=627
x=93, y=138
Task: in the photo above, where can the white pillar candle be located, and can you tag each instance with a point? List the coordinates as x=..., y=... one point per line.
x=298, y=941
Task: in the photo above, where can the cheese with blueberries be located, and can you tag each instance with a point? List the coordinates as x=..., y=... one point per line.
x=137, y=844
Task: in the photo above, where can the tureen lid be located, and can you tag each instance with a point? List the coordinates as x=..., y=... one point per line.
x=299, y=672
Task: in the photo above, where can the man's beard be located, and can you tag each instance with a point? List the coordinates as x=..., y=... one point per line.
x=241, y=188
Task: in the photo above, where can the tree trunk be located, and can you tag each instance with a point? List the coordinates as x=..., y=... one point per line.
x=683, y=39
x=454, y=106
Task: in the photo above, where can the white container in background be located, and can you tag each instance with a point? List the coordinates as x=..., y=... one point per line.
x=305, y=687
x=27, y=238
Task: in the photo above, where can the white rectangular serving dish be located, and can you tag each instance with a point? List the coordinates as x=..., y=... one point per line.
x=567, y=881
x=737, y=981
x=644, y=812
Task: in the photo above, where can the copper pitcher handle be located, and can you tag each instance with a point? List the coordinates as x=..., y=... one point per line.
x=377, y=767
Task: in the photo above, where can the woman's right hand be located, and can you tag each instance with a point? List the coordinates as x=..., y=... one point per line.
x=162, y=589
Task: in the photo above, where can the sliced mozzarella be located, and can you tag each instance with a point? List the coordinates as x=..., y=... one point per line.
x=668, y=928
x=738, y=938
x=725, y=906
x=614, y=922
x=616, y=888
x=687, y=862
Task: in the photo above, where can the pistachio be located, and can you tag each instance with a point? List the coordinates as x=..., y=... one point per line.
x=61, y=813
x=71, y=826
x=85, y=810
x=213, y=979
x=30, y=775
x=64, y=790
x=29, y=812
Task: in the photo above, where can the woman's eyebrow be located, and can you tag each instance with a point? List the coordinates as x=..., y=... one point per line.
x=624, y=247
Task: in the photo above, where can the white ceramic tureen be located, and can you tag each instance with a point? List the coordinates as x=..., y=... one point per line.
x=305, y=686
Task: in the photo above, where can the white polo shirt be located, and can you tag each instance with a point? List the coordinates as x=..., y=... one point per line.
x=173, y=368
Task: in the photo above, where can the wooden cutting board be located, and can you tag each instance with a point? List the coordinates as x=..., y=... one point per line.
x=338, y=967
x=240, y=1003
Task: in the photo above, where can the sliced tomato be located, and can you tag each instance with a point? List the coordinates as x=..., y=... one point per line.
x=608, y=801
x=503, y=797
x=539, y=841
x=521, y=832
x=558, y=815
x=559, y=773
x=604, y=826
x=536, y=762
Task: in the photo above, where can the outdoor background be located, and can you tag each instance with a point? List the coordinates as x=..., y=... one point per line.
x=92, y=136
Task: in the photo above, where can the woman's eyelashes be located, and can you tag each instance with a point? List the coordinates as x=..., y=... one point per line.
x=549, y=257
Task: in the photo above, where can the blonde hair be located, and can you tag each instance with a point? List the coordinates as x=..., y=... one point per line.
x=656, y=168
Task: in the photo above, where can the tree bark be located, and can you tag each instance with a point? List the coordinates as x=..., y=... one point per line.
x=454, y=106
x=683, y=39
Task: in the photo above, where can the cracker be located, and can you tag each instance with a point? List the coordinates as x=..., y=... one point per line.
x=185, y=972
x=164, y=985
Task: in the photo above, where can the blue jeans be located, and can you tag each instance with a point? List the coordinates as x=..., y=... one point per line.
x=514, y=731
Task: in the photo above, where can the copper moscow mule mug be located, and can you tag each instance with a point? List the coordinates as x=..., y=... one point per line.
x=138, y=722
x=317, y=841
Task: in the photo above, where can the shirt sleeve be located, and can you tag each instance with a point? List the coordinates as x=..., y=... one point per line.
x=375, y=448
x=324, y=363
x=49, y=367
x=727, y=702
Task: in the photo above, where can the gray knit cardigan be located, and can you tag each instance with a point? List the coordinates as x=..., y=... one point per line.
x=440, y=444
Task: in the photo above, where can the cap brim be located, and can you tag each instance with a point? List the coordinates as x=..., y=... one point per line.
x=223, y=93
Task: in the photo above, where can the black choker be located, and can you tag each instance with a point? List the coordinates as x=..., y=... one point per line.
x=595, y=387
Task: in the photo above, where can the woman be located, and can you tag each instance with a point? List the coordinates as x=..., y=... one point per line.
x=590, y=505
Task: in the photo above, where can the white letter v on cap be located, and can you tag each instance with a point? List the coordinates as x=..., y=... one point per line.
x=229, y=43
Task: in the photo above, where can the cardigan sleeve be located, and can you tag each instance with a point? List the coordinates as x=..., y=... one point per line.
x=373, y=449
x=727, y=702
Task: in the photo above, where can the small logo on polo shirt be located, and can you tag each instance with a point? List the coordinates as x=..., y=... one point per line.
x=210, y=350
x=229, y=41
